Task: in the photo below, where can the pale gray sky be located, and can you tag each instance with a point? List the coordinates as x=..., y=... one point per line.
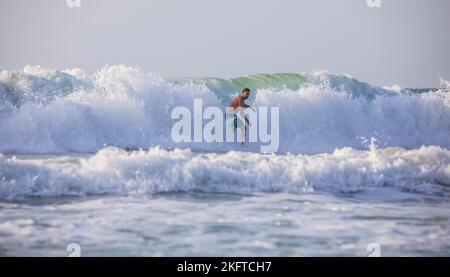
x=405, y=42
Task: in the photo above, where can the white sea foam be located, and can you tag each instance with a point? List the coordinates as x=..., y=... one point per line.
x=115, y=171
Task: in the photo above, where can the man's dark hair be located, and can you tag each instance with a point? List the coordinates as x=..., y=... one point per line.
x=246, y=90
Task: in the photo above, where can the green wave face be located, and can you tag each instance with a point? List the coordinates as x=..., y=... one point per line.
x=226, y=88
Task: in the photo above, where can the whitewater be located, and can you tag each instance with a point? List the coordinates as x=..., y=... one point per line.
x=88, y=159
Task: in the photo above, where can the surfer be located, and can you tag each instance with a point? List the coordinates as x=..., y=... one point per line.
x=237, y=105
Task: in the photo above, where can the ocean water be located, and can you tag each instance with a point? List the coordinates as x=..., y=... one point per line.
x=87, y=159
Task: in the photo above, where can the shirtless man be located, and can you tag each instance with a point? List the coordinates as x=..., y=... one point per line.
x=238, y=104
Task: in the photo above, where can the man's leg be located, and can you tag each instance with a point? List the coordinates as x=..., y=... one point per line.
x=243, y=132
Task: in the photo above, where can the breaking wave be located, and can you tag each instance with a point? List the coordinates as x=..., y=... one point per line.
x=114, y=171
x=50, y=111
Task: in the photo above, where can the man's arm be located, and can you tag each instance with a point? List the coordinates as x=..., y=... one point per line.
x=242, y=104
